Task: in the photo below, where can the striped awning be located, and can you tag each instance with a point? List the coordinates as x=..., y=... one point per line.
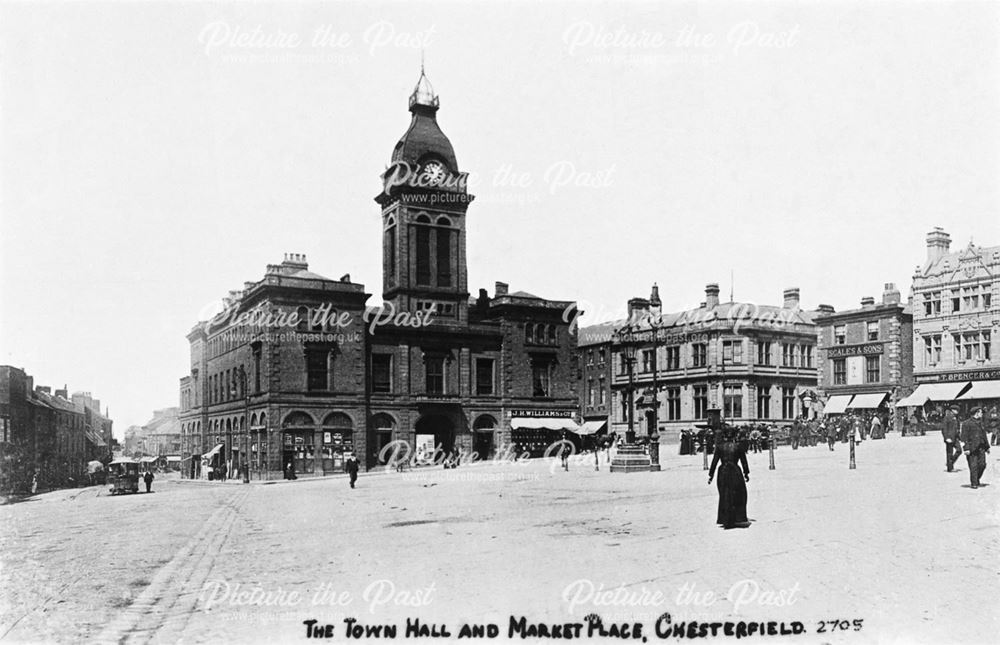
x=837, y=404
x=982, y=390
x=869, y=401
x=591, y=427
x=533, y=423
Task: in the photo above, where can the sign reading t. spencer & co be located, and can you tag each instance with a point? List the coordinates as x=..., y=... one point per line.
x=864, y=349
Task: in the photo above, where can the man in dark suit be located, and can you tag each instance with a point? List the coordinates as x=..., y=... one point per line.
x=351, y=466
x=949, y=432
x=976, y=444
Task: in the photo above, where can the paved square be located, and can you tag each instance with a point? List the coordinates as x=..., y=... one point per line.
x=898, y=544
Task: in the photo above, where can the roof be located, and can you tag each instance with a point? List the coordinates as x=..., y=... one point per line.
x=595, y=334
x=525, y=294
x=745, y=313
x=952, y=262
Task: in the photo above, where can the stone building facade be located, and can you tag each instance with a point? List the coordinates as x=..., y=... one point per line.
x=754, y=362
x=865, y=355
x=301, y=370
x=956, y=323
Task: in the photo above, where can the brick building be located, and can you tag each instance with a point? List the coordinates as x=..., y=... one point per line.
x=595, y=356
x=46, y=433
x=956, y=322
x=754, y=362
x=299, y=369
x=865, y=355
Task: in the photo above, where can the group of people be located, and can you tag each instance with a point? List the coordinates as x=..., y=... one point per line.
x=971, y=437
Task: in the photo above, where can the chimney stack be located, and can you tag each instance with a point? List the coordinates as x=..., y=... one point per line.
x=868, y=301
x=938, y=243
x=826, y=309
x=43, y=388
x=890, y=294
x=711, y=295
x=500, y=289
x=791, y=296
x=654, y=300
x=636, y=308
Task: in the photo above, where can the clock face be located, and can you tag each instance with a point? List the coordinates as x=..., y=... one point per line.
x=434, y=172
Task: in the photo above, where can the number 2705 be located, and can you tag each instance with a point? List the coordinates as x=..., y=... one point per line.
x=839, y=625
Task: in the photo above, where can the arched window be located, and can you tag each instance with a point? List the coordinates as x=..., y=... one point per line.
x=298, y=420
x=423, y=242
x=529, y=333
x=443, y=255
x=389, y=252
x=552, y=335
x=443, y=221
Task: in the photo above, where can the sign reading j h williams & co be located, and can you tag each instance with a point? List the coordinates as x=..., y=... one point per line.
x=865, y=349
x=558, y=414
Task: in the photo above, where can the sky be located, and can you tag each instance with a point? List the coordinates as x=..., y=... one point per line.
x=154, y=156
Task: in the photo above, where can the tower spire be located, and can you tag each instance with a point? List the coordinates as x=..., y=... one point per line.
x=423, y=93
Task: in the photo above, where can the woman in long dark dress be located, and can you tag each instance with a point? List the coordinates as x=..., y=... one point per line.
x=731, y=483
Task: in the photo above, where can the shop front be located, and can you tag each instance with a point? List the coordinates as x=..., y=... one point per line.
x=534, y=432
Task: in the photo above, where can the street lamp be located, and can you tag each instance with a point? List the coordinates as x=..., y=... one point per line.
x=628, y=352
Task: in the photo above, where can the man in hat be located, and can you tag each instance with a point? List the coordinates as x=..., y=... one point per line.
x=949, y=432
x=993, y=424
x=976, y=444
x=351, y=466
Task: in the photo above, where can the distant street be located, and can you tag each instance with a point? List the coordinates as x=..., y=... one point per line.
x=907, y=550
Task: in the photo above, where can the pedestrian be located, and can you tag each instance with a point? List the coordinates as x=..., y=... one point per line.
x=994, y=426
x=290, y=470
x=976, y=445
x=876, y=428
x=564, y=452
x=731, y=483
x=34, y=482
x=795, y=433
x=148, y=479
x=755, y=440
x=351, y=466
x=831, y=433
x=949, y=432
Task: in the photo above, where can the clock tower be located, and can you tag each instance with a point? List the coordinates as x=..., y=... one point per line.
x=424, y=201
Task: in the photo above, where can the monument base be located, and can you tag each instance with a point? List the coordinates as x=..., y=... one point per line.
x=631, y=459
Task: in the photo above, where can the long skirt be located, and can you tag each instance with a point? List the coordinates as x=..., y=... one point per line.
x=732, y=496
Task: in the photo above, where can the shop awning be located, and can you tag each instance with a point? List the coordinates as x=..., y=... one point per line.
x=837, y=404
x=983, y=390
x=146, y=460
x=934, y=392
x=914, y=400
x=214, y=451
x=173, y=458
x=94, y=438
x=533, y=423
x=868, y=401
x=591, y=427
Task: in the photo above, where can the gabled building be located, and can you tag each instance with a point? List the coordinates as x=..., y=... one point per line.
x=956, y=323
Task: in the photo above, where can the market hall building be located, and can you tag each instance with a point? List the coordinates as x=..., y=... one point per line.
x=956, y=322
x=865, y=356
x=433, y=367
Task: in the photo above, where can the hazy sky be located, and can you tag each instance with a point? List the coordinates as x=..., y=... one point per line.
x=155, y=156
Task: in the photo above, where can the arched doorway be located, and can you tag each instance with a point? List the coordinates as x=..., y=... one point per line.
x=435, y=436
x=384, y=426
x=482, y=433
x=338, y=440
x=298, y=441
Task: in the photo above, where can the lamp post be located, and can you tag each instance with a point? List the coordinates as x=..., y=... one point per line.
x=628, y=351
x=654, y=436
